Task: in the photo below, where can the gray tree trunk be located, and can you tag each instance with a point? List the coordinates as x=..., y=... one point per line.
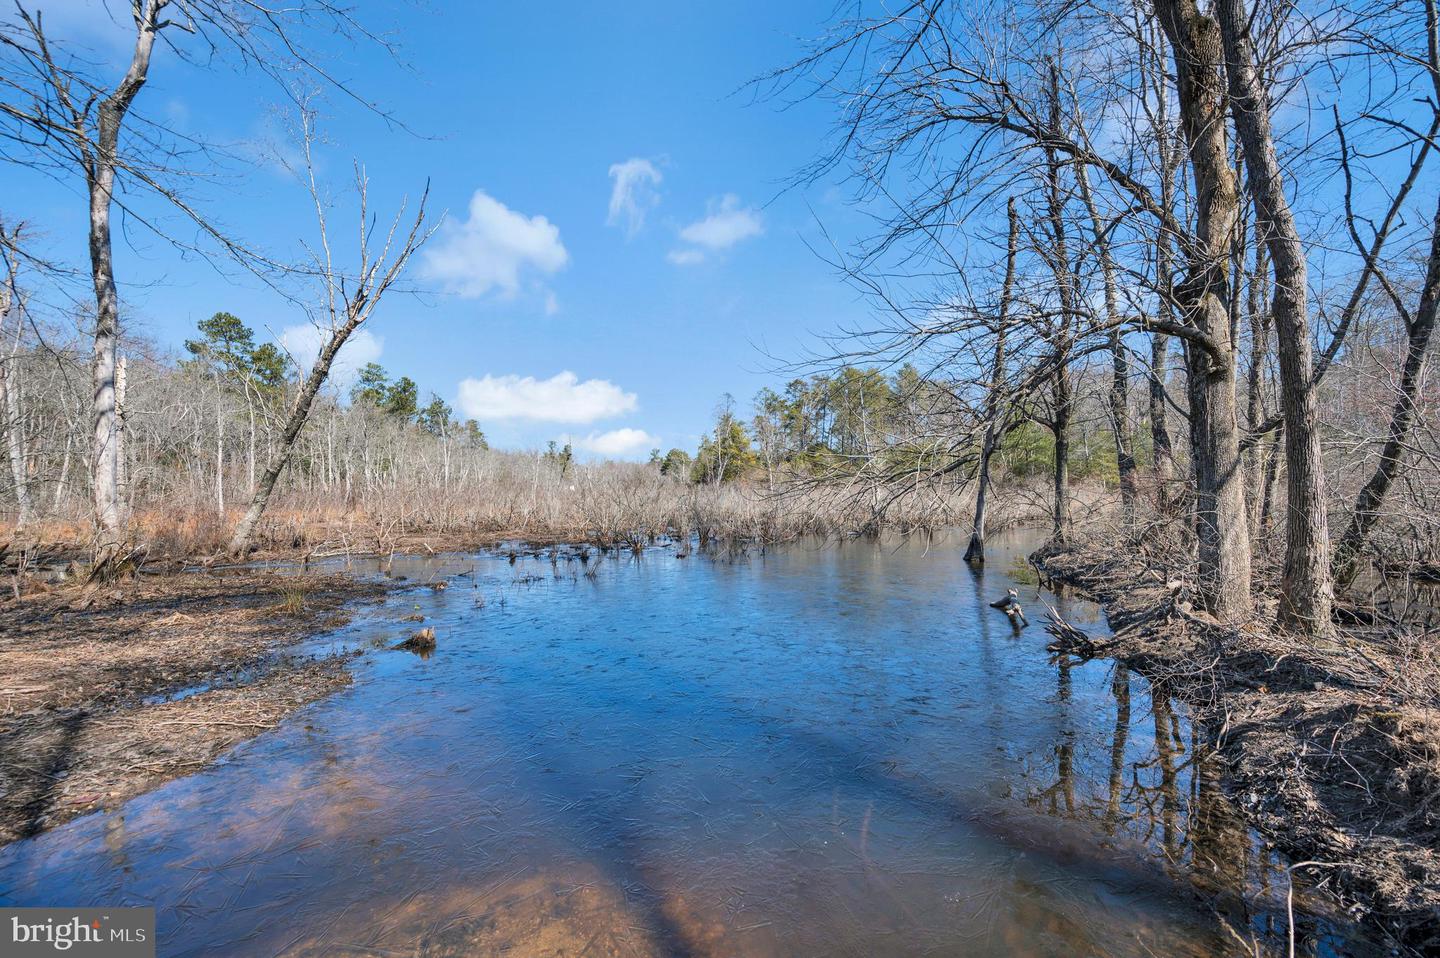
x=100, y=167
x=1061, y=388
x=1119, y=360
x=1306, y=589
x=15, y=440
x=995, y=413
x=1402, y=417
x=1222, y=529
x=1254, y=404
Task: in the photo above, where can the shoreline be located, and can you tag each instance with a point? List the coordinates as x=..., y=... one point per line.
x=1323, y=749
x=110, y=692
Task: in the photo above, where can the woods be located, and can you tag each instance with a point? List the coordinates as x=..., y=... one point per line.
x=1119, y=310
x=1149, y=134
x=1077, y=195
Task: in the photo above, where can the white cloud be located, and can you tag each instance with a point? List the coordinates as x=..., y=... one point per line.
x=727, y=224
x=303, y=343
x=552, y=305
x=617, y=442
x=489, y=250
x=685, y=257
x=633, y=193
x=561, y=398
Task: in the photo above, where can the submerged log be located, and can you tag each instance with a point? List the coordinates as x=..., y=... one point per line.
x=422, y=642
x=1010, y=605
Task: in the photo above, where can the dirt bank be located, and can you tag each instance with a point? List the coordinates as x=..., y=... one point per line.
x=106, y=693
x=1332, y=751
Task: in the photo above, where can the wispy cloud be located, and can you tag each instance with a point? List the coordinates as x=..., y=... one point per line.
x=303, y=343
x=561, y=398
x=617, y=443
x=491, y=249
x=685, y=257
x=726, y=224
x=633, y=193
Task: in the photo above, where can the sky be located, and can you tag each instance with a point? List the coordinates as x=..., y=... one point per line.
x=619, y=247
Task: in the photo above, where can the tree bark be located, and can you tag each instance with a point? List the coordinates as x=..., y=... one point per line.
x=15, y=440
x=975, y=551
x=1119, y=395
x=1222, y=529
x=100, y=167
x=1402, y=417
x=10, y=307
x=1061, y=388
x=1306, y=590
x=1254, y=400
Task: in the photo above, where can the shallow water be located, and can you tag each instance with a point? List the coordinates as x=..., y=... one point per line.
x=835, y=750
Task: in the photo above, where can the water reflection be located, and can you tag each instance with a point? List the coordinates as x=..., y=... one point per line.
x=827, y=750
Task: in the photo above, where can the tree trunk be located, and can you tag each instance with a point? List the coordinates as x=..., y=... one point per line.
x=1222, y=530
x=219, y=449
x=1372, y=494
x=1162, y=452
x=1162, y=455
x=1061, y=389
x=15, y=439
x=122, y=472
x=1060, y=429
x=1119, y=359
x=975, y=551
x=100, y=179
x=1272, y=475
x=1306, y=589
x=299, y=413
x=1254, y=402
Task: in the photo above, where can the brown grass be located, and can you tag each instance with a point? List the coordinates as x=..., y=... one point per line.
x=84, y=720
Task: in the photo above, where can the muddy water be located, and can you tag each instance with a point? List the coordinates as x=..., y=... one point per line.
x=810, y=751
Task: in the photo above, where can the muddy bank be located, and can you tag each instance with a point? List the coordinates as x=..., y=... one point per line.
x=1332, y=751
x=106, y=693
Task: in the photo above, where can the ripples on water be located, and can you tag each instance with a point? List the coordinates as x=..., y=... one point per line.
x=824, y=750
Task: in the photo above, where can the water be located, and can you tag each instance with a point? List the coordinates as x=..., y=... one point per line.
x=835, y=750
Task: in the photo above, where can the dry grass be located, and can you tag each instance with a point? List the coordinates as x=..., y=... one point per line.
x=86, y=711
x=615, y=505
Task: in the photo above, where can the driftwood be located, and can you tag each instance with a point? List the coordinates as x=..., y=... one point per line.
x=1010, y=605
x=1068, y=639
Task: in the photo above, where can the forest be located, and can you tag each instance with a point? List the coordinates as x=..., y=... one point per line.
x=1156, y=279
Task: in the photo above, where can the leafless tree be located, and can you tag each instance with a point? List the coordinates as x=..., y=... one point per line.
x=348, y=299
x=59, y=115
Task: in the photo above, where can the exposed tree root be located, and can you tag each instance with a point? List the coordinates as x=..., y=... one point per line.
x=1332, y=750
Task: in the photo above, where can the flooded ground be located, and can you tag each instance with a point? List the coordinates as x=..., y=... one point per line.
x=836, y=750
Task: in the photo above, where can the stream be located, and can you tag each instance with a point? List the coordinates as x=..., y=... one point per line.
x=810, y=750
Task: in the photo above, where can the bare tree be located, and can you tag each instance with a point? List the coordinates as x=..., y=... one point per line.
x=12, y=308
x=996, y=402
x=53, y=108
x=1306, y=590
x=1119, y=394
x=1419, y=330
x=1203, y=297
x=348, y=299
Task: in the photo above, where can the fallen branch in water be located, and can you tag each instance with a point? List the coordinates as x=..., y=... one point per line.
x=1068, y=639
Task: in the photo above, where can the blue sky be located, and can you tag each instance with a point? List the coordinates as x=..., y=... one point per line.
x=619, y=249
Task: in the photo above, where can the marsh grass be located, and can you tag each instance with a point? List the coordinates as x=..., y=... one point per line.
x=294, y=594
